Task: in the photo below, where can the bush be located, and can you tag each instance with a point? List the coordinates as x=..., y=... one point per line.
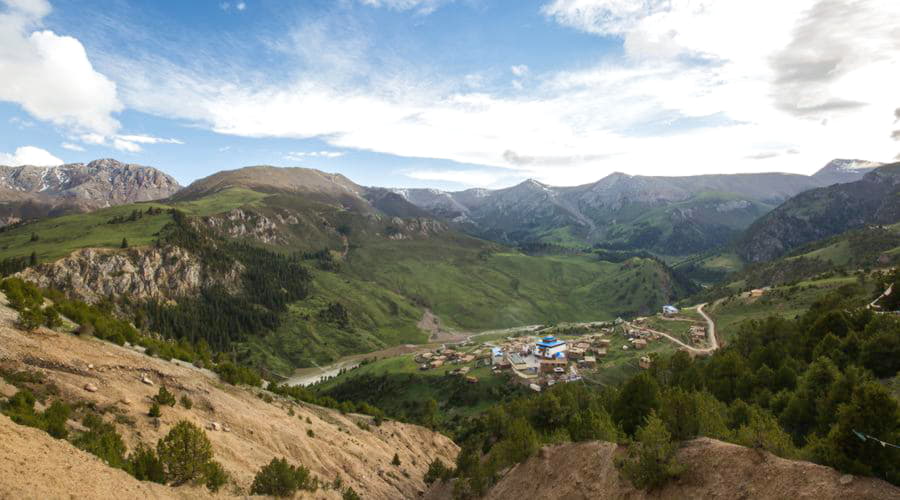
x=144, y=465
x=185, y=452
x=236, y=374
x=30, y=318
x=350, y=494
x=164, y=397
x=186, y=402
x=154, y=410
x=650, y=463
x=52, y=318
x=102, y=440
x=396, y=460
x=55, y=417
x=280, y=479
x=215, y=476
x=437, y=471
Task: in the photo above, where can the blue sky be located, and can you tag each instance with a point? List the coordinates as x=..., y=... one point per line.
x=451, y=94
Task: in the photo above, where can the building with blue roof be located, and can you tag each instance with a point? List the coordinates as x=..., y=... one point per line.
x=551, y=347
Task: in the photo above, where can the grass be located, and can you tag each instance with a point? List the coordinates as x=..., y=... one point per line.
x=619, y=365
x=471, y=289
x=60, y=236
x=784, y=301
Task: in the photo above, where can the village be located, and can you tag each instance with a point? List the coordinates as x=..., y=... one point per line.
x=570, y=352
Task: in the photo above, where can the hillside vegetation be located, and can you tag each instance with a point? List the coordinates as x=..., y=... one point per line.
x=312, y=271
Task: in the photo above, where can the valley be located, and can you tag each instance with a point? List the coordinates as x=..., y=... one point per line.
x=314, y=295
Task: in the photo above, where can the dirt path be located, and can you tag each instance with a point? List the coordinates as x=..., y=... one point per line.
x=701, y=351
x=883, y=295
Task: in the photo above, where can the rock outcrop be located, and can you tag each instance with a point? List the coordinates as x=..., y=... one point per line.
x=91, y=274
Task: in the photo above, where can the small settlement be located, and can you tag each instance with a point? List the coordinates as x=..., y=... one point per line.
x=543, y=356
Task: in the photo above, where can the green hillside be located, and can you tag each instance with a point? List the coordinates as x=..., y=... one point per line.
x=371, y=276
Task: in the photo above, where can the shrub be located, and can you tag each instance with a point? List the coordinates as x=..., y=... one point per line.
x=310, y=433
x=55, y=417
x=650, y=463
x=154, y=410
x=164, y=397
x=215, y=476
x=396, y=460
x=102, y=440
x=184, y=452
x=236, y=374
x=280, y=479
x=30, y=318
x=144, y=465
x=350, y=494
x=186, y=402
x=52, y=318
x=437, y=471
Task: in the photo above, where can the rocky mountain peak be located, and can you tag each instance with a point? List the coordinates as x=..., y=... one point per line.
x=100, y=183
x=844, y=170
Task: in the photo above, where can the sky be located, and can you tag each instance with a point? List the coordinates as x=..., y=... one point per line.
x=451, y=94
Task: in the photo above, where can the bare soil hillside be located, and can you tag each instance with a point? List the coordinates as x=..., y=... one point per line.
x=251, y=430
x=713, y=470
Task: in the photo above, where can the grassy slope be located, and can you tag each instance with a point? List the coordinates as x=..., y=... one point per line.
x=59, y=236
x=784, y=301
x=474, y=290
x=469, y=283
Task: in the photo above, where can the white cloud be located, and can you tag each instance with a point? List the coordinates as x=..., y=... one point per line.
x=127, y=143
x=30, y=155
x=519, y=69
x=302, y=155
x=148, y=139
x=72, y=147
x=699, y=91
x=50, y=75
x=421, y=6
x=240, y=6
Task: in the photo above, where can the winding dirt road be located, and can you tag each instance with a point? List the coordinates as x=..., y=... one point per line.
x=710, y=332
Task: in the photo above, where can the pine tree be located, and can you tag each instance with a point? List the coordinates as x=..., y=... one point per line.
x=124, y=243
x=33, y=259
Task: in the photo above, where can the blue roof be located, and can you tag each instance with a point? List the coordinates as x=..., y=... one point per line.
x=553, y=343
x=549, y=338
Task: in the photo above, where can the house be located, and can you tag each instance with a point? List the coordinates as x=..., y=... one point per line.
x=516, y=361
x=588, y=362
x=550, y=346
x=602, y=343
x=644, y=362
x=639, y=343
x=669, y=310
x=437, y=363
x=599, y=353
x=576, y=353
x=462, y=371
x=534, y=387
x=550, y=365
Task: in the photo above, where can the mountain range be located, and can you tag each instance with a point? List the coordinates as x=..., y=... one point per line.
x=667, y=215
x=28, y=192
x=824, y=212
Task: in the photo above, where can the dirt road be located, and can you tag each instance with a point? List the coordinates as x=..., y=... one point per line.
x=710, y=331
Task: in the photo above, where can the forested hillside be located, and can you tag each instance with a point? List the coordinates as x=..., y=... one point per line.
x=808, y=388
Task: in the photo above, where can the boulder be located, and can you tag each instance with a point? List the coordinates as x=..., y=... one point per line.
x=90, y=387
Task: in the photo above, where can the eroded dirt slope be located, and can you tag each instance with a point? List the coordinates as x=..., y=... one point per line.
x=713, y=470
x=256, y=432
